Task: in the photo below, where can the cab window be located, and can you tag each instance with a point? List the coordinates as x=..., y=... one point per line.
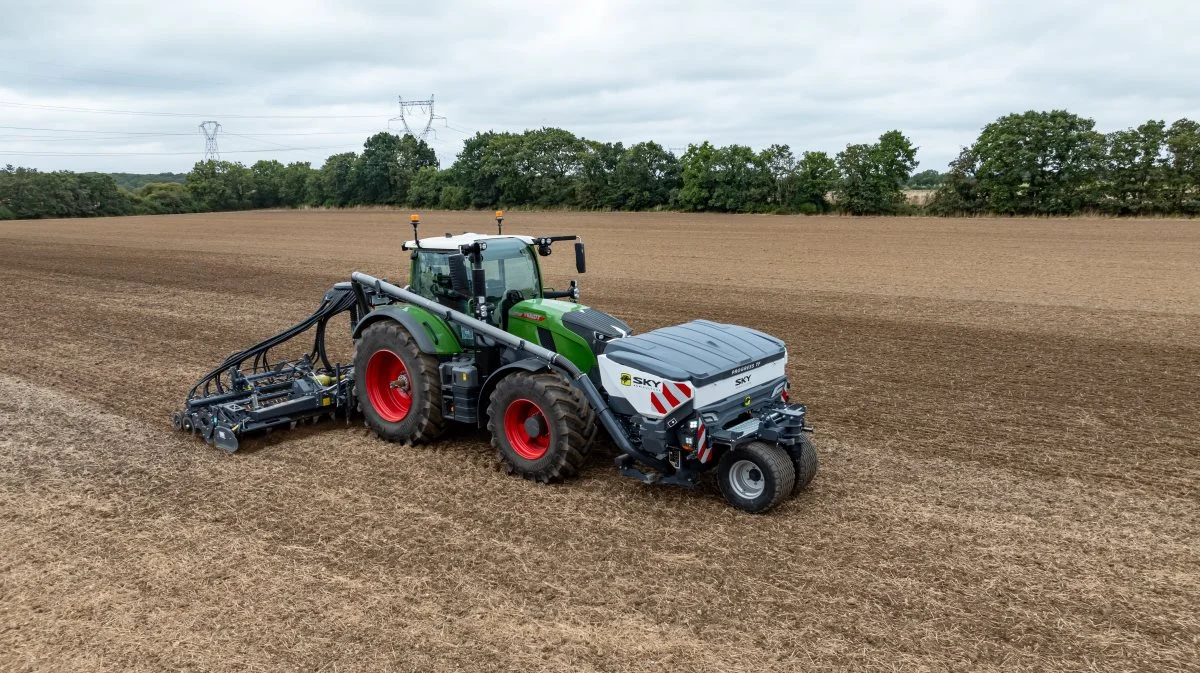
x=431, y=275
x=509, y=264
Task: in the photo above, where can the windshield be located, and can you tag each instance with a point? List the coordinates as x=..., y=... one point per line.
x=509, y=264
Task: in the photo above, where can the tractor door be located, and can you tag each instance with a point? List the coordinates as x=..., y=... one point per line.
x=430, y=278
x=512, y=273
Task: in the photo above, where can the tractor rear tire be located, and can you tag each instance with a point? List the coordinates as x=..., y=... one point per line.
x=756, y=477
x=399, y=388
x=542, y=427
x=804, y=460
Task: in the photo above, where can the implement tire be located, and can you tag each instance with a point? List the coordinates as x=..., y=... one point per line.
x=399, y=388
x=756, y=477
x=804, y=460
x=542, y=428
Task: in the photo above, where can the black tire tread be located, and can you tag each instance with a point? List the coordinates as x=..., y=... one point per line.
x=431, y=424
x=779, y=465
x=805, y=462
x=566, y=403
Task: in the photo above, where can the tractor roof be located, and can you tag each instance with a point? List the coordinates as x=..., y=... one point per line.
x=453, y=242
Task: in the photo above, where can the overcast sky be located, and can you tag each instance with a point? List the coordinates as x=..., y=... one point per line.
x=299, y=80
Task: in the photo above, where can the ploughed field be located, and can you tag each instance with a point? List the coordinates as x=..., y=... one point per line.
x=1008, y=423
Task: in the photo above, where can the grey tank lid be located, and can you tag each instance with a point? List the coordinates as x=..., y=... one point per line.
x=699, y=351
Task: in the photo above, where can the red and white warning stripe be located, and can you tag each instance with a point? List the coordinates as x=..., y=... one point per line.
x=703, y=450
x=670, y=396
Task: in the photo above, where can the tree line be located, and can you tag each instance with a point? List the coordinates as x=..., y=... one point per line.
x=1033, y=163
x=1056, y=163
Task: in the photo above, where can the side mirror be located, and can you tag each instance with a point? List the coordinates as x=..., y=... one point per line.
x=458, y=275
x=580, y=259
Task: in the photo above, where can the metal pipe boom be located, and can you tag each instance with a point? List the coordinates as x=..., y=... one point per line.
x=580, y=379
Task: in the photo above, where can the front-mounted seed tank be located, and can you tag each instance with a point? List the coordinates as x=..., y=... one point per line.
x=476, y=337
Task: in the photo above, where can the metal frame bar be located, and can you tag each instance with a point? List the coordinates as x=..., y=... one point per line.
x=577, y=377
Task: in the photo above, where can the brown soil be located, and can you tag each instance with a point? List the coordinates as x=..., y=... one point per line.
x=1007, y=418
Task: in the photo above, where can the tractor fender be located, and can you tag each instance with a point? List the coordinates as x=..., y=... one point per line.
x=526, y=365
x=408, y=320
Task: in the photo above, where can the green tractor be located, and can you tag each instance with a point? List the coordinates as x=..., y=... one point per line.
x=476, y=337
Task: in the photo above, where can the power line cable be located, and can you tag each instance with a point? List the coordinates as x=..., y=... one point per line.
x=140, y=154
x=89, y=139
x=146, y=113
x=176, y=133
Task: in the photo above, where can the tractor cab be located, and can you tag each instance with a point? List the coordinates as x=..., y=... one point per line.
x=497, y=279
x=510, y=271
x=484, y=275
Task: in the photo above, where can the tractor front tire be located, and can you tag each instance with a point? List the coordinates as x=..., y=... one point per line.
x=399, y=388
x=804, y=461
x=756, y=477
x=542, y=428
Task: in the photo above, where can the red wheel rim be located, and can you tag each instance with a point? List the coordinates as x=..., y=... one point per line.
x=388, y=386
x=526, y=446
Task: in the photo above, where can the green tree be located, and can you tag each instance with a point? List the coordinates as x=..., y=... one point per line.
x=725, y=179
x=699, y=176
x=814, y=178
x=743, y=181
x=220, y=185
x=503, y=166
x=780, y=164
x=929, y=179
x=337, y=183
x=163, y=198
x=414, y=155
x=1039, y=163
x=595, y=185
x=425, y=190
x=19, y=194
x=645, y=176
x=1183, y=167
x=959, y=192
x=266, y=184
x=550, y=162
x=1135, y=179
x=134, y=181
x=870, y=176
x=454, y=197
x=296, y=182
x=475, y=171
x=387, y=165
x=97, y=195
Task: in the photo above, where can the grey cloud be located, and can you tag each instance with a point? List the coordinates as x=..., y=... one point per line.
x=814, y=75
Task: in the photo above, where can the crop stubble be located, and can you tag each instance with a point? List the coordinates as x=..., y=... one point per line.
x=1007, y=422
